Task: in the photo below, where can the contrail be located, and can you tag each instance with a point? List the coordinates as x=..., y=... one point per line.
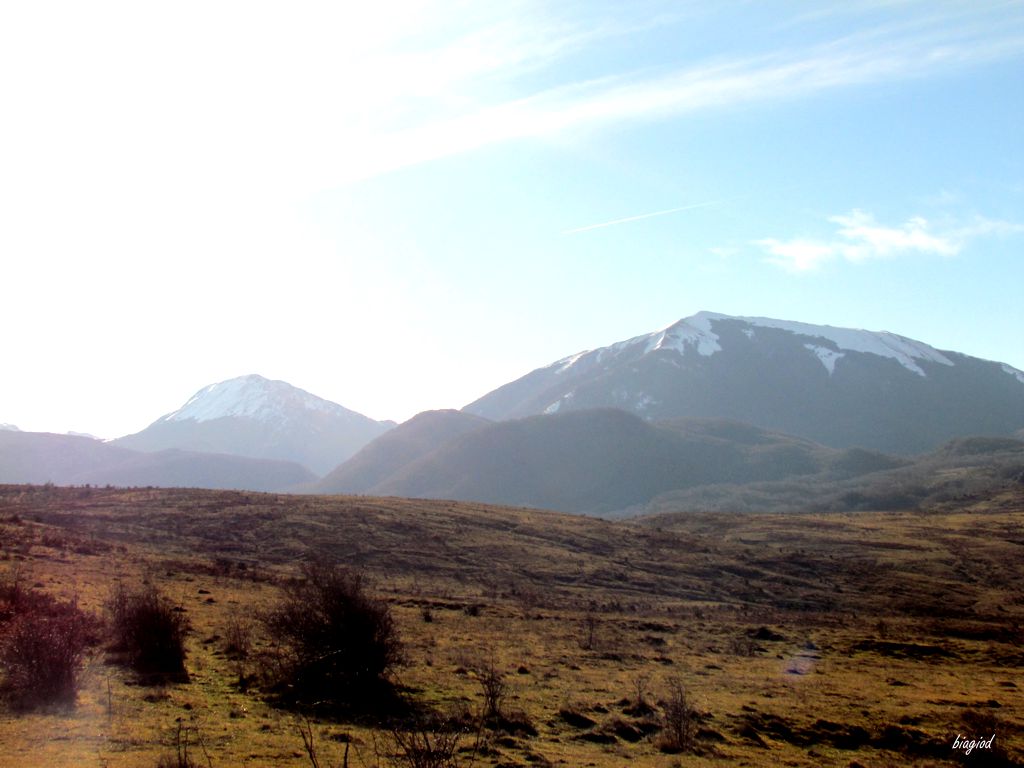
x=642, y=216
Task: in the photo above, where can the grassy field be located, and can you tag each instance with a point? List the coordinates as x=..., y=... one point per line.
x=868, y=639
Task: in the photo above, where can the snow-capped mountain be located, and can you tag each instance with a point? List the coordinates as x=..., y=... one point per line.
x=260, y=418
x=839, y=386
x=8, y=428
x=253, y=397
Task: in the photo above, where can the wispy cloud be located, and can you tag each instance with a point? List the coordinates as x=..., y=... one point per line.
x=859, y=238
x=329, y=94
x=269, y=104
x=638, y=217
x=889, y=53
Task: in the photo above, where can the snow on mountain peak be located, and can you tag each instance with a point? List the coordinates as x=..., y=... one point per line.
x=1009, y=369
x=693, y=332
x=8, y=428
x=827, y=343
x=253, y=397
x=882, y=343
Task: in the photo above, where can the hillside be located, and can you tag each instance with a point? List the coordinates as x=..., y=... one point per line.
x=595, y=461
x=396, y=449
x=599, y=462
x=36, y=457
x=855, y=481
x=806, y=640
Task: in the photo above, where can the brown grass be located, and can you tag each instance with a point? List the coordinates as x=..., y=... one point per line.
x=873, y=638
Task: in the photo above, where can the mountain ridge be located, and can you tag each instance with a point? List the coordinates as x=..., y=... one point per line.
x=42, y=457
x=841, y=387
x=396, y=449
x=591, y=462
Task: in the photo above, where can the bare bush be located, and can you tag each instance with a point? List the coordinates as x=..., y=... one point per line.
x=640, y=688
x=238, y=637
x=41, y=657
x=493, y=687
x=424, y=748
x=336, y=643
x=238, y=645
x=185, y=737
x=588, y=632
x=742, y=645
x=149, y=632
x=42, y=644
x=680, y=720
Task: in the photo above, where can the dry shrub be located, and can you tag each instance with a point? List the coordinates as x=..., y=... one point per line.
x=493, y=687
x=149, y=632
x=186, y=737
x=336, y=644
x=680, y=720
x=424, y=748
x=42, y=644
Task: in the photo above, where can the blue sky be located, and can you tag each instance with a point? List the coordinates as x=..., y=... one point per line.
x=403, y=207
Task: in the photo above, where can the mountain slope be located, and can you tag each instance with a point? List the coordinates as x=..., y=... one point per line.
x=837, y=386
x=956, y=474
x=398, y=448
x=594, y=462
x=259, y=418
x=37, y=457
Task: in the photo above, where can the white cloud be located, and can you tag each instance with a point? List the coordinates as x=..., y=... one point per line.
x=864, y=239
x=797, y=255
x=860, y=238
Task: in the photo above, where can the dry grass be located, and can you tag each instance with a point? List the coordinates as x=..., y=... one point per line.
x=802, y=640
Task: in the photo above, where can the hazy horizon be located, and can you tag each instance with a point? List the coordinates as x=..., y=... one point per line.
x=452, y=195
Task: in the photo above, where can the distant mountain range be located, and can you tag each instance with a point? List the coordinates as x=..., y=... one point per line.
x=39, y=457
x=612, y=463
x=713, y=410
x=837, y=386
x=594, y=461
x=258, y=418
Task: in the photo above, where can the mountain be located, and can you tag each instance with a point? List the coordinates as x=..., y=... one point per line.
x=593, y=462
x=8, y=428
x=39, y=457
x=259, y=418
x=837, y=386
x=956, y=475
x=398, y=448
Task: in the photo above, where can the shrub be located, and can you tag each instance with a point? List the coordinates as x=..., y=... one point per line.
x=337, y=644
x=42, y=647
x=185, y=736
x=588, y=632
x=493, y=688
x=680, y=720
x=150, y=633
x=41, y=657
x=424, y=748
x=238, y=645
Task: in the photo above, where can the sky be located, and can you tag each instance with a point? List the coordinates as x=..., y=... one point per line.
x=400, y=206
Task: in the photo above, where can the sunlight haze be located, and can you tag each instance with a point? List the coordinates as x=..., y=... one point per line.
x=401, y=206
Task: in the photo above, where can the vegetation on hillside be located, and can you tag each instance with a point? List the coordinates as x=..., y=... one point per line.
x=530, y=638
